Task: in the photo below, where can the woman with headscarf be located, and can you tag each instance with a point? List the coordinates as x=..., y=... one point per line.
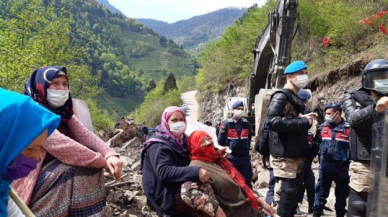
x=233, y=194
x=24, y=127
x=165, y=168
x=69, y=179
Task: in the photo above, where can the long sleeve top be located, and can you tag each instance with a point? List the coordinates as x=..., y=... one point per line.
x=86, y=149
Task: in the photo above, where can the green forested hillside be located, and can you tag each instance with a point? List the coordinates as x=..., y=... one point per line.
x=104, y=51
x=229, y=58
x=196, y=31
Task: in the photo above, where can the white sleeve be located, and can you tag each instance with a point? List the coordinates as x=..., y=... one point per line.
x=13, y=209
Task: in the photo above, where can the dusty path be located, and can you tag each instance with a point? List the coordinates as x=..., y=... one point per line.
x=192, y=104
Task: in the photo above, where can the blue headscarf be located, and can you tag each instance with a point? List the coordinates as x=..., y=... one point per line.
x=36, y=87
x=21, y=121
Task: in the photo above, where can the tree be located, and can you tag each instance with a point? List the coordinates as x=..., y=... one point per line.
x=170, y=83
x=151, y=85
x=163, y=41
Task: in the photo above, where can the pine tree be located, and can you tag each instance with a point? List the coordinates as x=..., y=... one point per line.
x=151, y=85
x=170, y=83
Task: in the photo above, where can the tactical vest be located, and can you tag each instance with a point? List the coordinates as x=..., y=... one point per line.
x=289, y=145
x=360, y=147
x=335, y=142
x=238, y=143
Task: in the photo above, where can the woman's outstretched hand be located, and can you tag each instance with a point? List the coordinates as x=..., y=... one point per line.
x=204, y=176
x=220, y=212
x=222, y=152
x=114, y=166
x=269, y=210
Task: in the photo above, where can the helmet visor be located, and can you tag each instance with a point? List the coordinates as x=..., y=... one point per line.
x=369, y=79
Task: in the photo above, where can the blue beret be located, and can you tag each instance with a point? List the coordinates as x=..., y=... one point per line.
x=304, y=95
x=333, y=105
x=295, y=66
x=237, y=104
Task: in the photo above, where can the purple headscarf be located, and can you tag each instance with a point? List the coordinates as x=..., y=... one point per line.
x=163, y=130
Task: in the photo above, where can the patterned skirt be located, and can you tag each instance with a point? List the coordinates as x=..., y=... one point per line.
x=63, y=190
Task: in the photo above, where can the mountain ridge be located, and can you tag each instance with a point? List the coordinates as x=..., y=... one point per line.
x=192, y=32
x=112, y=8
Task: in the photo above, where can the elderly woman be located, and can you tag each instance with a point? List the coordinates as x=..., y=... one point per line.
x=165, y=168
x=24, y=128
x=233, y=194
x=69, y=179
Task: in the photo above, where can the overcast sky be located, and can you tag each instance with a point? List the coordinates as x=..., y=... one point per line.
x=174, y=10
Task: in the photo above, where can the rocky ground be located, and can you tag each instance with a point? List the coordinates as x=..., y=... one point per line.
x=125, y=197
x=261, y=178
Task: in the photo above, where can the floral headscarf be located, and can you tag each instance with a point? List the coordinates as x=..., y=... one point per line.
x=163, y=130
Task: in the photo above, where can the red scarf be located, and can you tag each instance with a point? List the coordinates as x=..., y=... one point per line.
x=209, y=154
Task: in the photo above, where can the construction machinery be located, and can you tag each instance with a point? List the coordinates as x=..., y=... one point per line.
x=271, y=55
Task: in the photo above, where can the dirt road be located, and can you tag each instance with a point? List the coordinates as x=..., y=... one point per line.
x=191, y=103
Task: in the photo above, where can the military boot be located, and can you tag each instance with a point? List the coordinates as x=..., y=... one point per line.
x=340, y=214
x=317, y=213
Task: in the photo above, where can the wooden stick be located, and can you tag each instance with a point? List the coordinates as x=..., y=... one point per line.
x=116, y=180
x=119, y=184
x=115, y=137
x=20, y=203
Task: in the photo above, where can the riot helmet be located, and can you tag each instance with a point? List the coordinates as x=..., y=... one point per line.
x=375, y=76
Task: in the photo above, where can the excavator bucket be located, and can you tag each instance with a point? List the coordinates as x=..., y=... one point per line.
x=262, y=101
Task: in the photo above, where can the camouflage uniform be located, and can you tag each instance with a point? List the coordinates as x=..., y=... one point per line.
x=359, y=176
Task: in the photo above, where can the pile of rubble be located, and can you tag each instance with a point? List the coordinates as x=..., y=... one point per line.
x=125, y=197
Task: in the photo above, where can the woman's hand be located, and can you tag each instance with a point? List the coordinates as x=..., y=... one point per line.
x=220, y=212
x=204, y=176
x=268, y=210
x=114, y=166
x=222, y=152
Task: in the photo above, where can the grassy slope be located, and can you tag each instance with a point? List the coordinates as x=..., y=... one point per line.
x=160, y=59
x=117, y=107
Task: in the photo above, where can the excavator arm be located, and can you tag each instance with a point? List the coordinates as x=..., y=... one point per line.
x=272, y=52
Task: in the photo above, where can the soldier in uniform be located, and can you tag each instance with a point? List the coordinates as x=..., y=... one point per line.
x=288, y=135
x=236, y=133
x=333, y=140
x=306, y=176
x=360, y=107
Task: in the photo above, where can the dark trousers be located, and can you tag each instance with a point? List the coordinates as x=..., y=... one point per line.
x=357, y=203
x=271, y=187
x=289, y=190
x=307, y=184
x=341, y=192
x=244, y=166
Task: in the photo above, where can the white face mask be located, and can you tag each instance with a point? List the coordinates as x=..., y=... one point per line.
x=177, y=128
x=238, y=114
x=57, y=98
x=331, y=119
x=381, y=86
x=301, y=81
